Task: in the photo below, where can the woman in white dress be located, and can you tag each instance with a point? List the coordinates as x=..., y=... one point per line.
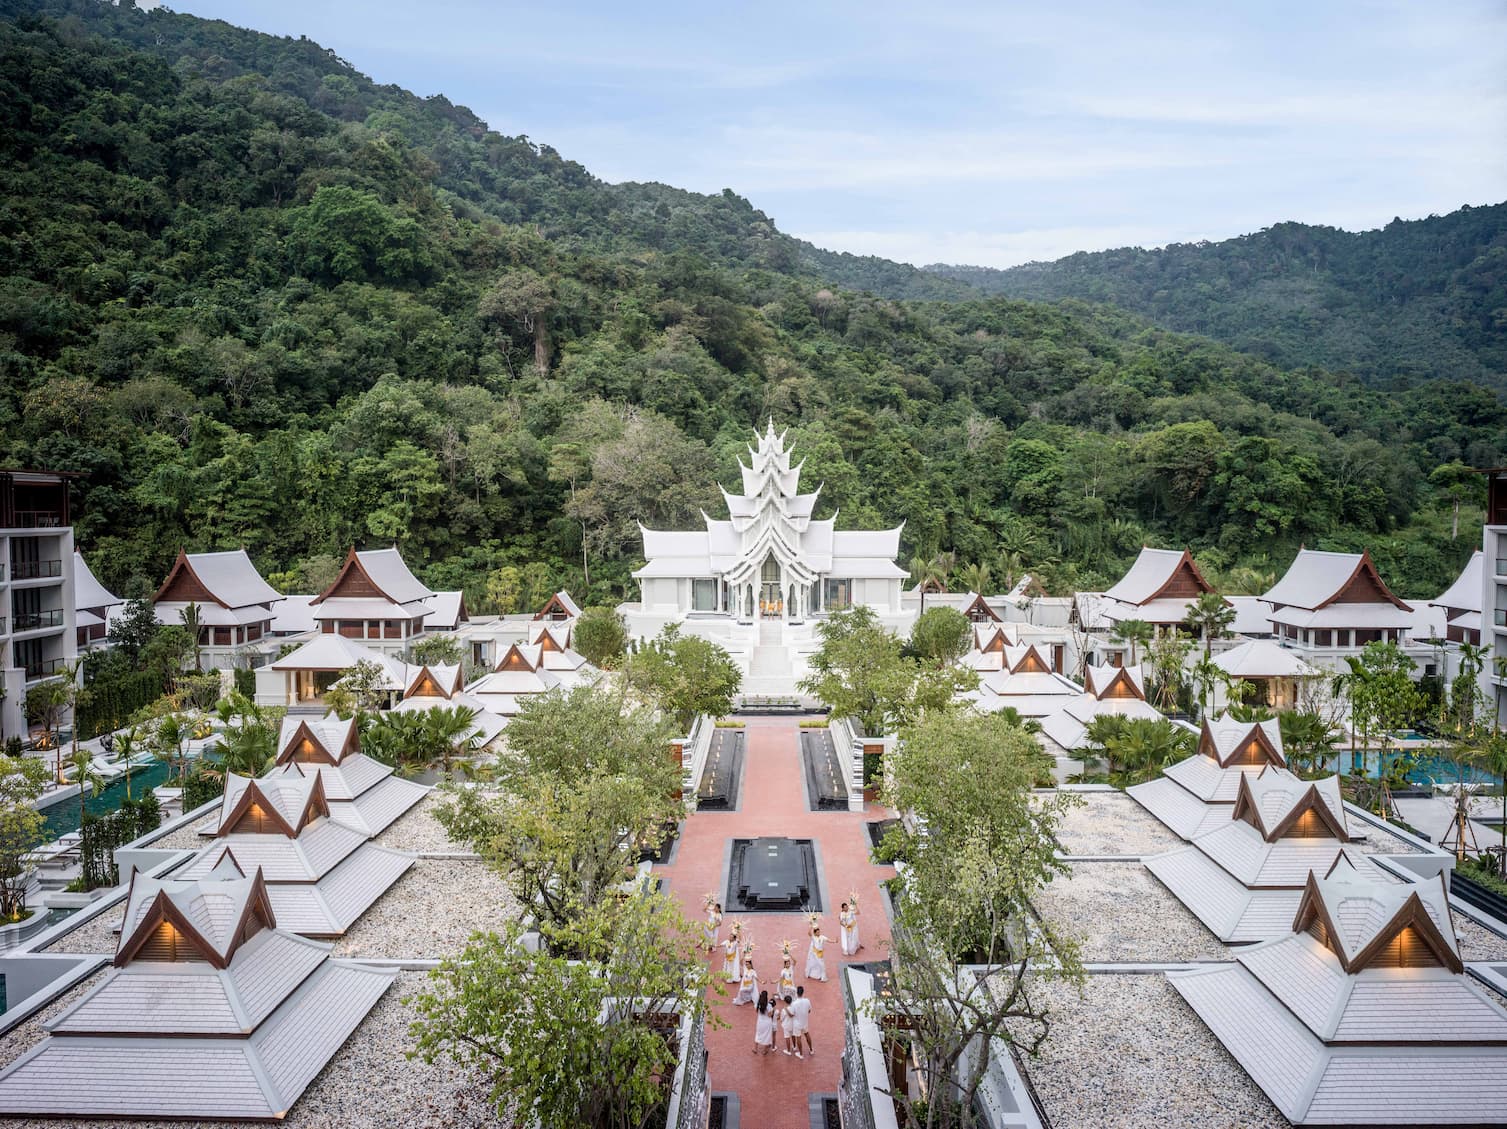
x=748, y=986
x=847, y=918
x=787, y=978
x=763, y=1027
x=816, y=955
x=731, y=972
x=713, y=923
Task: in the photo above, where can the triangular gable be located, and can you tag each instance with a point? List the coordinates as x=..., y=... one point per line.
x=427, y=685
x=254, y=812
x=1252, y=749
x=1119, y=685
x=514, y=659
x=353, y=582
x=1032, y=661
x=1308, y=817
x=1365, y=586
x=1183, y=582
x=556, y=608
x=308, y=747
x=163, y=931
x=979, y=611
x=183, y=584
x=995, y=642
x=226, y=866
x=546, y=641
x=1410, y=938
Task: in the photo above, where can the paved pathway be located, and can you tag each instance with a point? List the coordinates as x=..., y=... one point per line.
x=773, y=1089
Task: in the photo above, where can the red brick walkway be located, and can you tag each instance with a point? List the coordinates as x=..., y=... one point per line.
x=773, y=1089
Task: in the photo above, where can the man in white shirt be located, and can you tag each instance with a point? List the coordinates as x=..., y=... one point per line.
x=800, y=1012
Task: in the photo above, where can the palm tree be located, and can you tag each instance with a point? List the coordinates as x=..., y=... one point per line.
x=1012, y=716
x=975, y=578
x=125, y=745
x=1135, y=632
x=191, y=623
x=1307, y=737
x=172, y=731
x=85, y=777
x=928, y=571
x=1014, y=566
x=247, y=749
x=1466, y=689
x=1206, y=676
x=1210, y=615
x=452, y=732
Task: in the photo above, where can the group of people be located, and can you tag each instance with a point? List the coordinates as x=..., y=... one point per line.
x=786, y=1013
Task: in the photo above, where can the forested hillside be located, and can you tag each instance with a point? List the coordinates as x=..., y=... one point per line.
x=257, y=300
x=1416, y=300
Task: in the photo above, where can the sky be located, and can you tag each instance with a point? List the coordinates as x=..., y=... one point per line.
x=974, y=132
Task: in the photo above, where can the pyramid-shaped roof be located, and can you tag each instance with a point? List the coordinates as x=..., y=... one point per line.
x=281, y=802
x=1277, y=804
x=208, y=919
x=1104, y=682
x=1362, y=917
x=317, y=740
x=1233, y=743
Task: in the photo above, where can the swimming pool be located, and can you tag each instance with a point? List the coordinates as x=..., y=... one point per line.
x=62, y=817
x=1426, y=769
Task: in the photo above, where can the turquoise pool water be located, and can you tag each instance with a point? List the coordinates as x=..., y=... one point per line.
x=62, y=817
x=1425, y=770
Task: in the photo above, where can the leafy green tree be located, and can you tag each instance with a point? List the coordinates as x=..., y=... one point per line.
x=965, y=900
x=601, y=637
x=45, y=703
x=190, y=617
x=1383, y=699
x=1168, y=654
x=588, y=782
x=578, y=1042
x=21, y=782
x=436, y=650
x=1136, y=749
x=941, y=635
x=505, y=590
x=975, y=577
x=1308, y=738
x=87, y=779
x=1457, y=483
x=169, y=738
x=684, y=675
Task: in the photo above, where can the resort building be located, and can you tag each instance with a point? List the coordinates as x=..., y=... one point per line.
x=1158, y=589
x=359, y=792
x=526, y=669
x=92, y=603
x=1274, y=673
x=375, y=599
x=1329, y=605
x=1361, y=1012
x=1025, y=677
x=1461, y=605
x=211, y=1011
x=321, y=875
x=232, y=601
x=1117, y=690
x=301, y=677
x=38, y=634
x=1196, y=795
x=771, y=559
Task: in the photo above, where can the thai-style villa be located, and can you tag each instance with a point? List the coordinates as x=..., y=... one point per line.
x=376, y=599
x=1328, y=605
x=1158, y=589
x=1360, y=1011
x=771, y=559
x=441, y=687
x=1275, y=673
x=211, y=1011
x=1196, y=794
x=231, y=600
x=1025, y=677
x=1107, y=690
x=92, y=603
x=304, y=674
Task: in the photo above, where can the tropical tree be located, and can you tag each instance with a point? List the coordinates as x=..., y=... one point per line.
x=588, y=783
x=1308, y=739
x=87, y=779
x=930, y=572
x=684, y=675
x=192, y=619
x=1383, y=698
x=601, y=636
x=1135, y=632
x=21, y=782
x=1210, y=616
x=126, y=743
x=168, y=740
x=437, y=650
x=965, y=933
x=1458, y=483
x=452, y=732
x=1133, y=749
x=248, y=748
x=585, y=1041
x=1490, y=755
x=45, y=703
x=941, y=635
x=1207, y=676
x=1465, y=691
x=1168, y=653
x=974, y=578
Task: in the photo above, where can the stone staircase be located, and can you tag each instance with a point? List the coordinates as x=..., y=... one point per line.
x=771, y=672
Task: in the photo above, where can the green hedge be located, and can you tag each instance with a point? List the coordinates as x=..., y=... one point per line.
x=102, y=834
x=245, y=682
x=200, y=789
x=111, y=702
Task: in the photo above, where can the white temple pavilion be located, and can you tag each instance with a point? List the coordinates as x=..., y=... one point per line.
x=771, y=559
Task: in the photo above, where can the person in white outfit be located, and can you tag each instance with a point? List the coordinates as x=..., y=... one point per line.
x=816, y=955
x=713, y=923
x=748, y=987
x=763, y=1027
x=792, y=1040
x=848, y=920
x=800, y=1014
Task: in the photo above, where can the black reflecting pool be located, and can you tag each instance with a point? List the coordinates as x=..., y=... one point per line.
x=773, y=875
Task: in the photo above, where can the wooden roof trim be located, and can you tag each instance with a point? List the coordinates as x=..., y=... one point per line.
x=1311, y=905
x=1121, y=674
x=514, y=651
x=163, y=908
x=1414, y=915
x=1368, y=566
x=425, y=672
x=352, y=564
x=553, y=604
x=1044, y=662
x=243, y=804
x=980, y=604
x=1191, y=565
x=1313, y=801
x=287, y=755
x=183, y=565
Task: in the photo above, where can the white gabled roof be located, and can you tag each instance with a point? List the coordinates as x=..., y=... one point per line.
x=87, y=591
x=322, y=846
x=1317, y=578
x=1232, y=912
x=1097, y=680
x=446, y=610
x=331, y=732
x=1184, y=813
x=1464, y=595
x=1204, y=777
x=1274, y=793
x=1068, y=726
x=1258, y=864
x=232, y=578
x=1148, y=575
x=1253, y=615
x=1228, y=735
x=1261, y=658
x=329, y=907
x=214, y=908
x=327, y=652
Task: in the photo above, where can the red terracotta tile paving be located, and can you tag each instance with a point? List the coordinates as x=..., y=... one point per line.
x=773, y=1089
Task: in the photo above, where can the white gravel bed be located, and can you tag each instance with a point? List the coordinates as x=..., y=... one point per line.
x=1120, y=912
x=96, y=936
x=431, y=912
x=1112, y=823
x=418, y=830
x=187, y=837
x=1130, y=1054
x=369, y=1083
x=1379, y=842
x=1478, y=942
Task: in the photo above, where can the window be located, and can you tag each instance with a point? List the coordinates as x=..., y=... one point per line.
x=1369, y=636
x=703, y=595
x=1322, y=637
x=837, y=594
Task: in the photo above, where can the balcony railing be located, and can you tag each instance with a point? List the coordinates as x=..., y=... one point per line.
x=38, y=519
x=31, y=621
x=42, y=667
x=32, y=570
